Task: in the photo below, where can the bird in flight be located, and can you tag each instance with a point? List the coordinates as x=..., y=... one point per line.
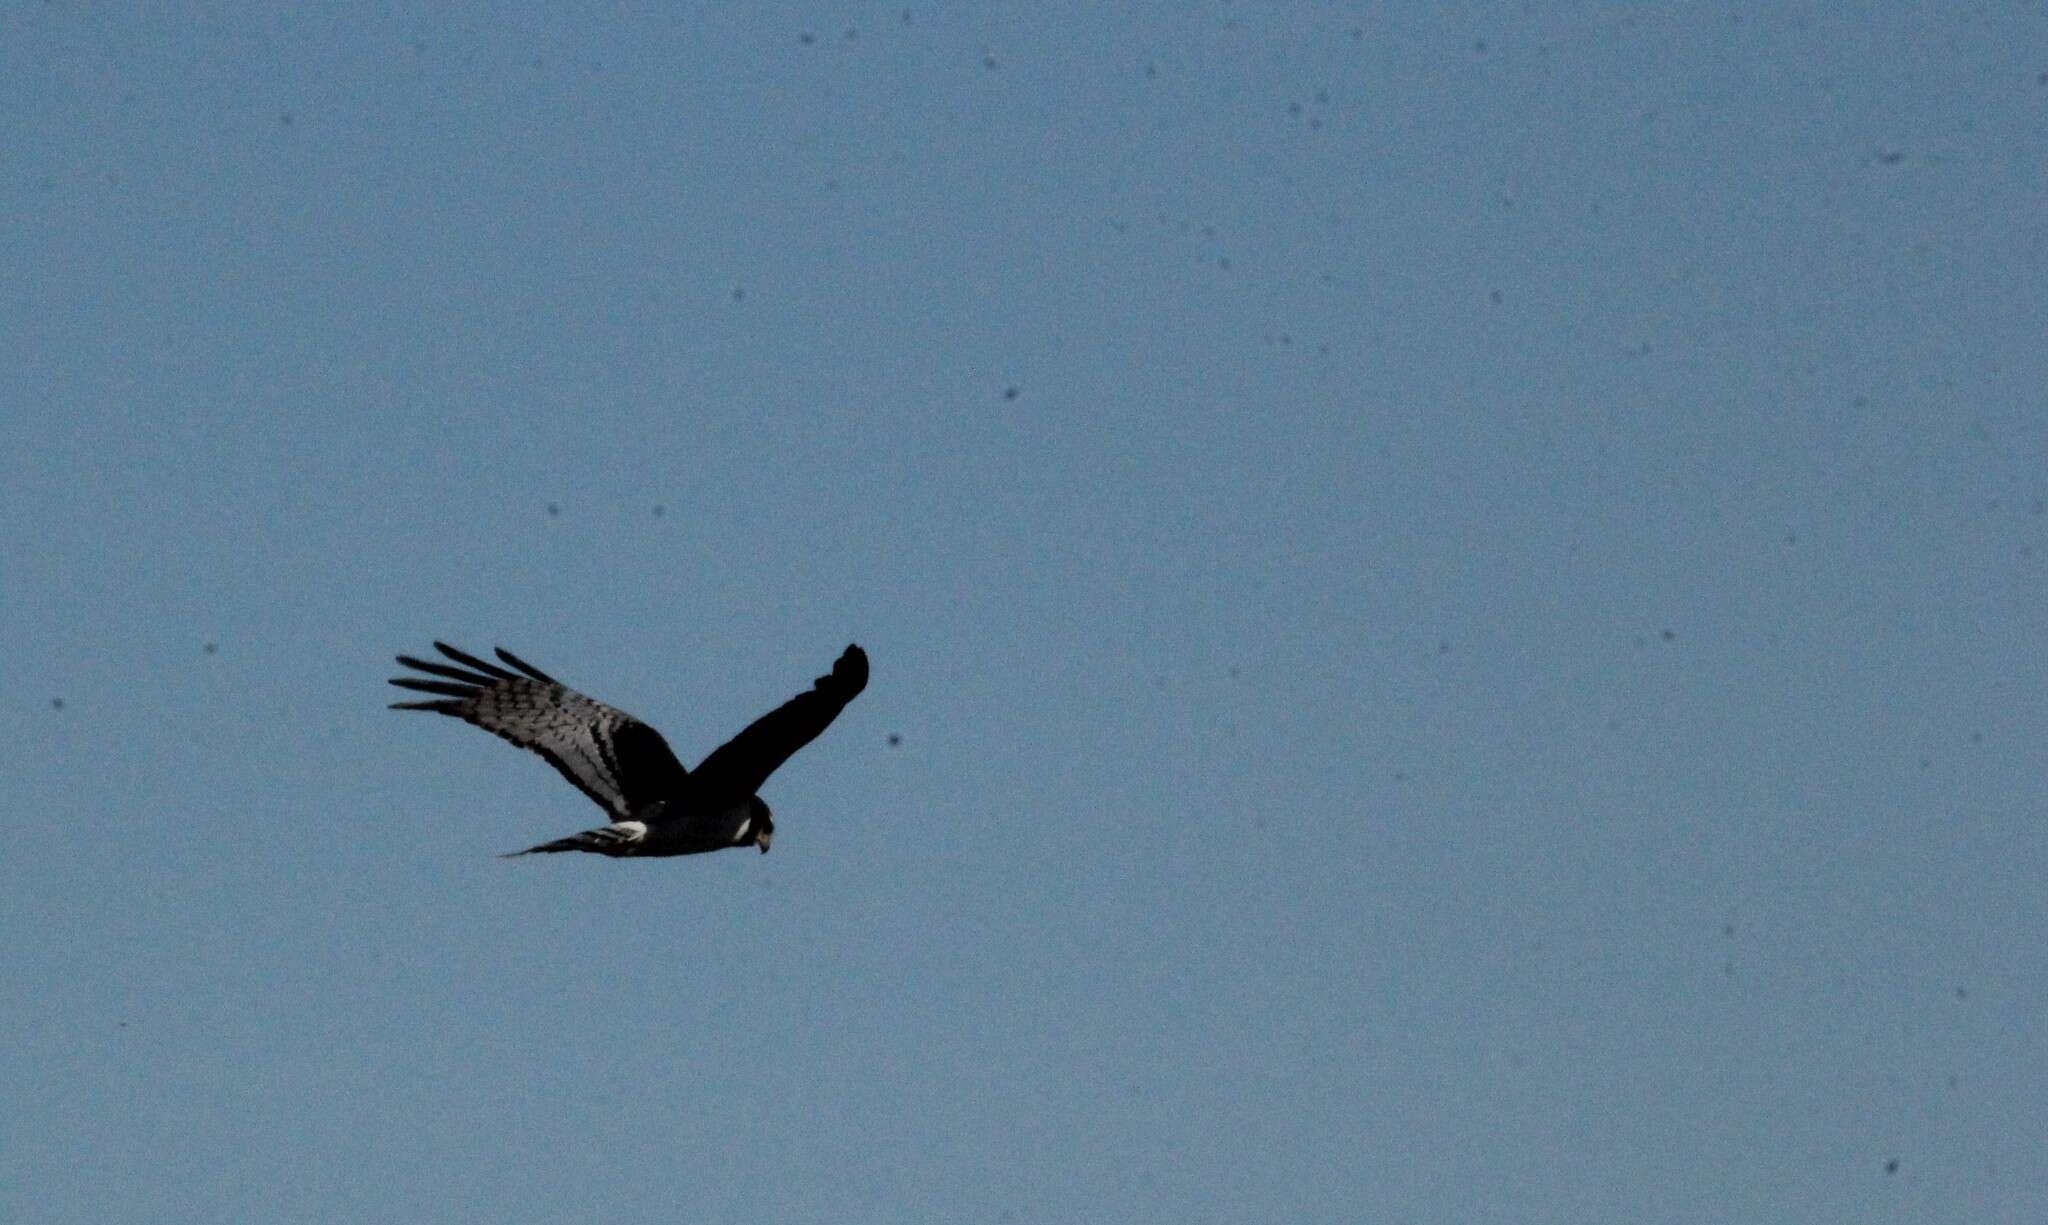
x=656, y=806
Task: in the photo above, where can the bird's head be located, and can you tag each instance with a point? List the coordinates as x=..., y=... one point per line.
x=763, y=823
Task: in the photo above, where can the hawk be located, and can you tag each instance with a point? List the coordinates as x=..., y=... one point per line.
x=656, y=806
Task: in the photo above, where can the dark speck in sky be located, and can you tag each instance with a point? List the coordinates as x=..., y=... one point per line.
x=1667, y=635
x=659, y=510
x=807, y=38
x=554, y=509
x=895, y=738
x=1011, y=393
x=56, y=703
x=989, y=62
x=1891, y=158
x=212, y=648
x=1892, y=1166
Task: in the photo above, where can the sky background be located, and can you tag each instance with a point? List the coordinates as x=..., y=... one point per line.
x=1460, y=587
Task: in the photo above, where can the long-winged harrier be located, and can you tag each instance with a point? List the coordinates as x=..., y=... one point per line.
x=657, y=807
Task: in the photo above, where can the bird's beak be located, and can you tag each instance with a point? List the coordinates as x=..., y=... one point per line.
x=763, y=842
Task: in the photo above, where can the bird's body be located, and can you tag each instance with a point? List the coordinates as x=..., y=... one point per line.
x=657, y=807
x=665, y=827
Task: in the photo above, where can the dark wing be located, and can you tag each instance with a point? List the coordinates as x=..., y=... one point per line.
x=737, y=768
x=612, y=757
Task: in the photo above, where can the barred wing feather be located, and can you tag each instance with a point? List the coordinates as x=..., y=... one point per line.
x=612, y=757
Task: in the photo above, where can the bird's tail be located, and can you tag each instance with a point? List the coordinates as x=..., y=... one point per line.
x=615, y=840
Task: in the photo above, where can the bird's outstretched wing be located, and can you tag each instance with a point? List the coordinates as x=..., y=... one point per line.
x=611, y=756
x=737, y=768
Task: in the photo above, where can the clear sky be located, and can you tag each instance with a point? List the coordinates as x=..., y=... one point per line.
x=1461, y=588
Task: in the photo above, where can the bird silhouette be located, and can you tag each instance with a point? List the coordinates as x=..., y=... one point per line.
x=657, y=807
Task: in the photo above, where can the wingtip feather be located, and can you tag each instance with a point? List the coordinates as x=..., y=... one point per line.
x=852, y=668
x=444, y=688
x=525, y=667
x=470, y=661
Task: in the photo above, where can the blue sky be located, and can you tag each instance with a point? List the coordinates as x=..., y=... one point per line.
x=1460, y=591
